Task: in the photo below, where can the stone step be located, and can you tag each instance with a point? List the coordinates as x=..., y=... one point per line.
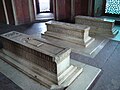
x=75, y=33
x=115, y=31
x=66, y=26
x=69, y=30
x=70, y=39
x=103, y=27
x=25, y=70
x=66, y=71
x=101, y=44
x=72, y=77
x=66, y=74
x=34, y=67
x=83, y=82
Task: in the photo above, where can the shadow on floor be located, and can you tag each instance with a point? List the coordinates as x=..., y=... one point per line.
x=7, y=84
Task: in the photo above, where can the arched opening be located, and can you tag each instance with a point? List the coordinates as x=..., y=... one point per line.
x=44, y=9
x=44, y=5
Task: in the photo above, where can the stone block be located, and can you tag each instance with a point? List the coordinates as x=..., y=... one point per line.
x=78, y=34
x=97, y=25
x=47, y=63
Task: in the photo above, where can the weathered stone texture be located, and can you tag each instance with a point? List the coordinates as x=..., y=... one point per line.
x=97, y=25
x=74, y=33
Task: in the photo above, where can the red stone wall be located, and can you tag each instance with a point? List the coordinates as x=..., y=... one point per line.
x=22, y=11
x=77, y=6
x=68, y=10
x=81, y=7
x=64, y=9
x=61, y=9
x=2, y=13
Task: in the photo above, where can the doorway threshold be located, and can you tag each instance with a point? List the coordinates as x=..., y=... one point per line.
x=44, y=17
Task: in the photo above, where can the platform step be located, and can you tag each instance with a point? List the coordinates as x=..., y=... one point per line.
x=73, y=76
x=70, y=38
x=115, y=31
x=64, y=76
x=35, y=73
x=26, y=71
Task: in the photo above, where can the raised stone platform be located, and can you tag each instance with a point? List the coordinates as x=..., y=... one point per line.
x=98, y=26
x=68, y=35
x=83, y=82
x=39, y=59
x=78, y=34
x=91, y=51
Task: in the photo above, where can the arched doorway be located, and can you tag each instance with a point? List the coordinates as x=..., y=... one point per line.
x=44, y=9
x=44, y=5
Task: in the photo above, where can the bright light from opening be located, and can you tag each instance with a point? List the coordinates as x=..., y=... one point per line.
x=44, y=5
x=112, y=6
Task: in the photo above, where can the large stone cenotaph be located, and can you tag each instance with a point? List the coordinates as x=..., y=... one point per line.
x=39, y=59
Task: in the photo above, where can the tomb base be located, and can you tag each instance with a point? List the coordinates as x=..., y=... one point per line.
x=98, y=26
x=91, y=51
x=46, y=63
x=41, y=75
x=78, y=34
x=82, y=82
x=75, y=40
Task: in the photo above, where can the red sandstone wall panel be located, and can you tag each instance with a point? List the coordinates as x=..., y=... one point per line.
x=25, y=7
x=64, y=10
x=19, y=11
x=2, y=14
x=81, y=7
x=77, y=7
x=84, y=10
x=61, y=9
x=68, y=9
x=22, y=11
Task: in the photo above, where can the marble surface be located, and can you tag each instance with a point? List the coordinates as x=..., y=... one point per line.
x=74, y=33
x=90, y=51
x=83, y=82
x=68, y=25
x=47, y=56
x=102, y=60
x=49, y=64
x=98, y=25
x=26, y=40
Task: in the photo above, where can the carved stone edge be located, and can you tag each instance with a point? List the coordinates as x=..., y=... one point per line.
x=93, y=18
x=56, y=59
x=70, y=39
x=40, y=75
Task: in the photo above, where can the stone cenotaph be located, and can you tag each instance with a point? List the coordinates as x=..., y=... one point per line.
x=39, y=59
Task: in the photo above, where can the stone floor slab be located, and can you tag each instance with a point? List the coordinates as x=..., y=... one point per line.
x=91, y=51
